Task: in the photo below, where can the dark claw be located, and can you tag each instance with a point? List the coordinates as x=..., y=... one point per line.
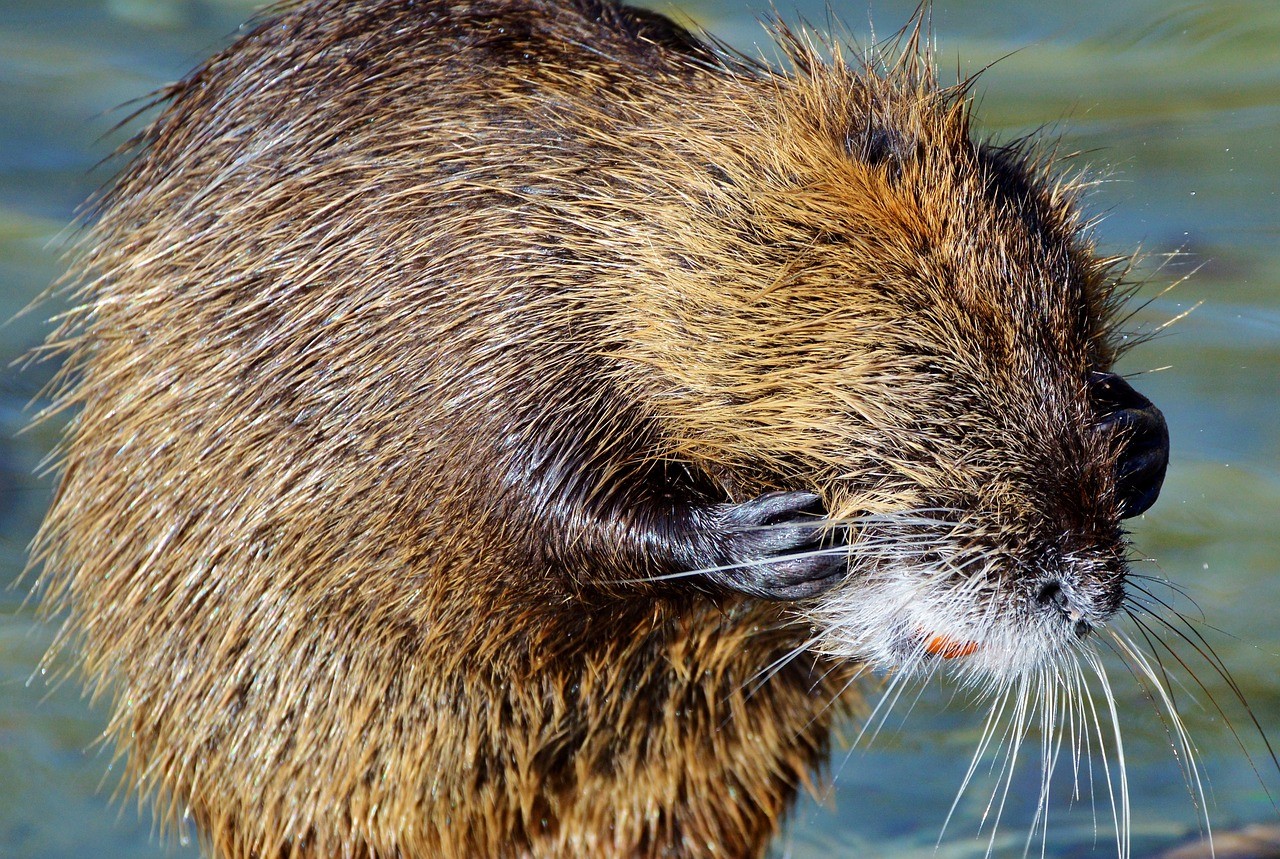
x=757, y=537
x=1145, y=436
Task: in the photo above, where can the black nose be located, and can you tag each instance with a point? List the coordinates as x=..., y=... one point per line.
x=1145, y=437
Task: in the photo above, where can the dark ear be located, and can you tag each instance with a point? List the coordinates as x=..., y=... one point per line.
x=775, y=547
x=1143, y=434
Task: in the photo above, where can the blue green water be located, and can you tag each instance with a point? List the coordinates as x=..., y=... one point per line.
x=1177, y=105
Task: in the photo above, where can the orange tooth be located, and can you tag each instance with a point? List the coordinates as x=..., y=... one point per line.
x=949, y=648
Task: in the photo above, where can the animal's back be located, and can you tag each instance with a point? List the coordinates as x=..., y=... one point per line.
x=352, y=353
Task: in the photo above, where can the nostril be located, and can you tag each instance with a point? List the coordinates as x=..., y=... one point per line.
x=1052, y=594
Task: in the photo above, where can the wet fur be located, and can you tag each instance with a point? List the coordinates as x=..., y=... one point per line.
x=411, y=348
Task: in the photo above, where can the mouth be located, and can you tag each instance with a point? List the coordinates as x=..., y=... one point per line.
x=906, y=618
x=947, y=647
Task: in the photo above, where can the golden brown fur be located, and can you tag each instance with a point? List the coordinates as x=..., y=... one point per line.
x=400, y=313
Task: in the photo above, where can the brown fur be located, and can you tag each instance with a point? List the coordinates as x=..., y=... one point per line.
x=395, y=305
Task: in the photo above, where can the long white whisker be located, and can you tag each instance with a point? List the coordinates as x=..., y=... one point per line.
x=764, y=675
x=774, y=559
x=994, y=716
x=1120, y=807
x=1184, y=747
x=1016, y=733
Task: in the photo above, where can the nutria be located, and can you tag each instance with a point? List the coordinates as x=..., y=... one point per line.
x=506, y=428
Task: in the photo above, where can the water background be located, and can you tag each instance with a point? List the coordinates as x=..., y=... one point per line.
x=1177, y=104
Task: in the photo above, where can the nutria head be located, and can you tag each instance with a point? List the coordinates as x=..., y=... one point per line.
x=914, y=326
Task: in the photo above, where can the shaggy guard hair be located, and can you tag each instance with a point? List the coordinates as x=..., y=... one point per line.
x=421, y=341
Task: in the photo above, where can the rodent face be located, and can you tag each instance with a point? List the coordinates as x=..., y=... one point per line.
x=984, y=500
x=911, y=325
x=1003, y=581
x=947, y=333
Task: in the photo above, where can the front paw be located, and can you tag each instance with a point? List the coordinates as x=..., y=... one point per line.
x=777, y=547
